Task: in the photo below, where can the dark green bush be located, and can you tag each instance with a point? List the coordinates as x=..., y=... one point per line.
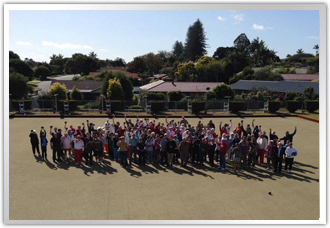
x=135, y=107
x=273, y=106
x=156, y=96
x=236, y=106
x=311, y=105
x=157, y=106
x=27, y=104
x=92, y=105
x=293, y=106
x=197, y=106
x=174, y=95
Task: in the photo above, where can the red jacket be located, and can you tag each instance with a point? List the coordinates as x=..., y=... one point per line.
x=223, y=147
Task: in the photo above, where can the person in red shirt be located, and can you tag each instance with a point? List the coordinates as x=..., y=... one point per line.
x=222, y=145
x=120, y=131
x=238, y=130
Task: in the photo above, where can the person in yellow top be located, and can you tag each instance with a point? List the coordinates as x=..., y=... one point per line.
x=123, y=150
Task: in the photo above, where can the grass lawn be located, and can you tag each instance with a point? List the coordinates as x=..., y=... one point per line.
x=33, y=82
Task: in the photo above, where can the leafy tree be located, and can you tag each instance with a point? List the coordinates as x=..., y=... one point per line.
x=242, y=43
x=105, y=84
x=57, y=63
x=41, y=72
x=17, y=85
x=300, y=51
x=222, y=52
x=60, y=90
x=138, y=65
x=125, y=84
x=19, y=66
x=309, y=93
x=80, y=64
x=186, y=72
x=178, y=50
x=153, y=63
x=223, y=90
x=115, y=90
x=313, y=64
x=248, y=71
x=260, y=54
x=204, y=60
x=266, y=74
x=30, y=62
x=76, y=94
x=119, y=62
x=168, y=58
x=195, y=45
x=289, y=96
x=13, y=55
x=174, y=95
x=211, y=71
x=92, y=55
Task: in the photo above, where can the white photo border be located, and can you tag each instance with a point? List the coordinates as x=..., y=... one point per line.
x=321, y=7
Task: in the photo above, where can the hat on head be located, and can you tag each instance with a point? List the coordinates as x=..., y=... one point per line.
x=165, y=134
x=116, y=133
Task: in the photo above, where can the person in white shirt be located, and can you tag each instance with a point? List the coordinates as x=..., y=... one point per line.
x=66, y=141
x=290, y=153
x=78, y=149
x=262, y=141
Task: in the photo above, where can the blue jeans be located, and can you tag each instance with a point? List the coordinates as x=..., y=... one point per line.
x=223, y=160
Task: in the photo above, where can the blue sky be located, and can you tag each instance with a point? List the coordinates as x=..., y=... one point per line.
x=127, y=34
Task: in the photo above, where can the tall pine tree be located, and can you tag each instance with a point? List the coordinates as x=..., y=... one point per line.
x=195, y=45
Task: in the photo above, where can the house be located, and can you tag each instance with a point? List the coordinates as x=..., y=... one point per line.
x=66, y=77
x=89, y=88
x=245, y=86
x=300, y=77
x=191, y=89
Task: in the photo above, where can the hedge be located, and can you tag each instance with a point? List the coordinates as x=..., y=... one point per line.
x=197, y=106
x=15, y=104
x=312, y=105
x=293, y=106
x=73, y=105
x=157, y=106
x=46, y=103
x=116, y=105
x=236, y=106
x=178, y=104
x=273, y=106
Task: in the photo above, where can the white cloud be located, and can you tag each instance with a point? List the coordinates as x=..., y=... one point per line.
x=66, y=45
x=221, y=18
x=104, y=50
x=23, y=43
x=313, y=37
x=238, y=17
x=257, y=27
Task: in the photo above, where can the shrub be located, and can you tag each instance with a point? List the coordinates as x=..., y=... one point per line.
x=92, y=105
x=76, y=94
x=115, y=90
x=223, y=90
x=27, y=104
x=42, y=72
x=289, y=96
x=197, y=106
x=155, y=96
x=236, y=106
x=273, y=106
x=174, y=95
x=17, y=86
x=60, y=90
x=293, y=106
x=311, y=106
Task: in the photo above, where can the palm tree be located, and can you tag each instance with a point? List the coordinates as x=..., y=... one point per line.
x=300, y=52
x=93, y=55
x=316, y=47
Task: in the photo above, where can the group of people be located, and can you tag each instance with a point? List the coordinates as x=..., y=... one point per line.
x=172, y=142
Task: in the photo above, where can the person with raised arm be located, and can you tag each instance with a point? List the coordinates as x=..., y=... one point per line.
x=289, y=136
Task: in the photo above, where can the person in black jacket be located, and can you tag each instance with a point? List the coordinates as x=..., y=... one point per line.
x=278, y=157
x=34, y=142
x=272, y=135
x=88, y=153
x=141, y=148
x=289, y=136
x=55, y=144
x=203, y=148
x=98, y=149
x=171, y=148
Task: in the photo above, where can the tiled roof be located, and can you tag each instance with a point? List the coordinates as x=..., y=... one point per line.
x=300, y=77
x=276, y=86
x=185, y=87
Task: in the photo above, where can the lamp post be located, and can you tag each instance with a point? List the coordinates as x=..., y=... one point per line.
x=55, y=95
